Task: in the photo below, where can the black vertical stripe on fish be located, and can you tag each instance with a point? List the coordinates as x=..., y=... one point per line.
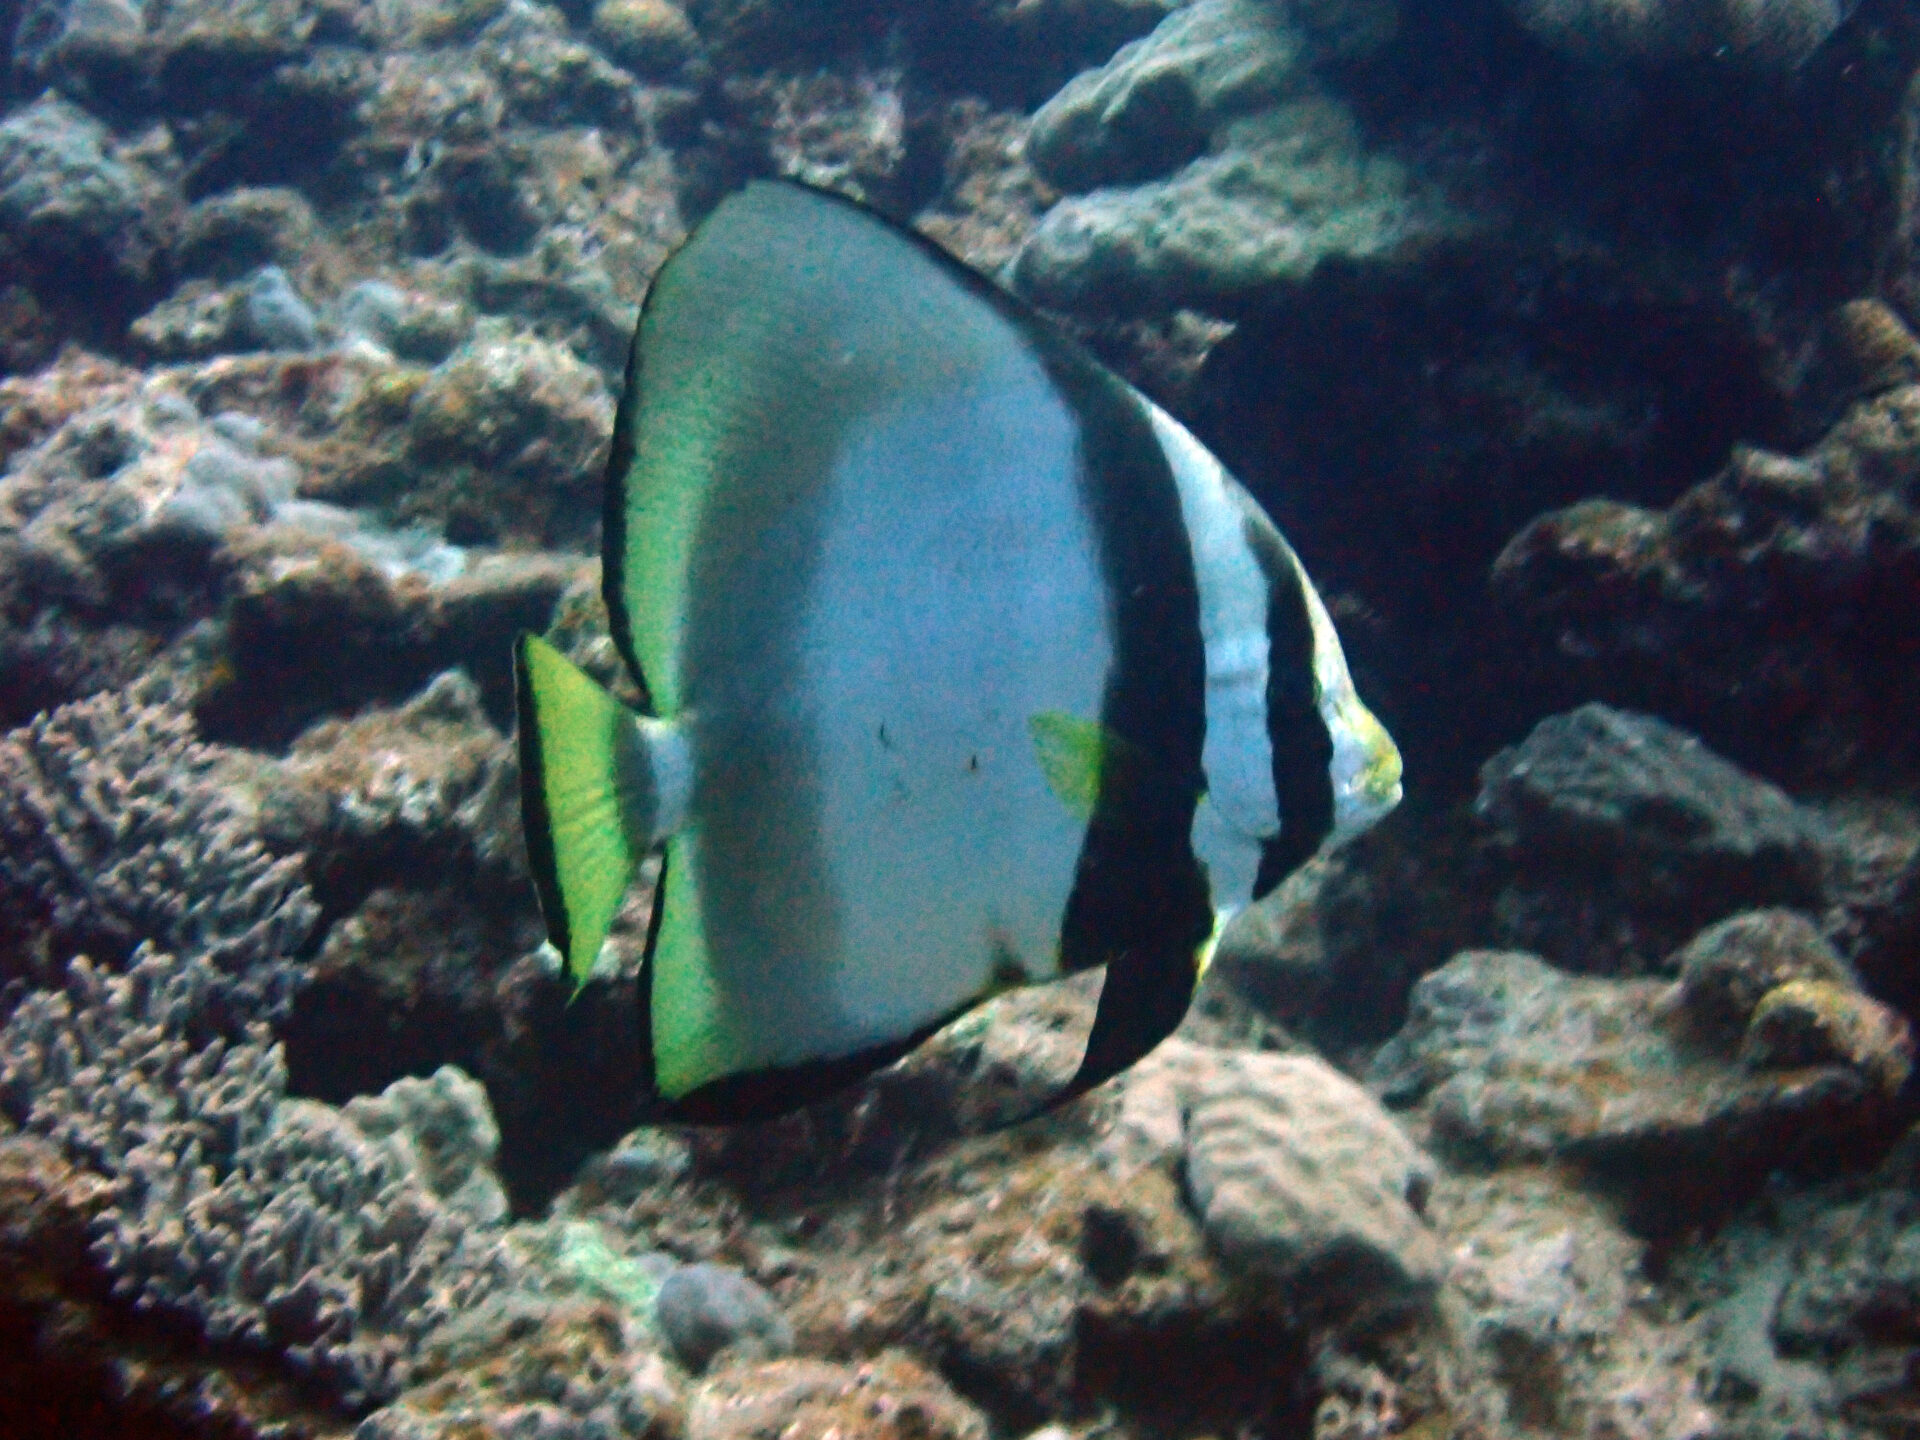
x=1140, y=901
x=1297, y=731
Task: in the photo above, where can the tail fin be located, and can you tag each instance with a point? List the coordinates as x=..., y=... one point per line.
x=599, y=787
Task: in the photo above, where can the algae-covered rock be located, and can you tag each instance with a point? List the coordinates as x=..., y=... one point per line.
x=443, y=1127
x=1514, y=1061
x=650, y=37
x=1729, y=968
x=509, y=432
x=891, y=1397
x=1819, y=1022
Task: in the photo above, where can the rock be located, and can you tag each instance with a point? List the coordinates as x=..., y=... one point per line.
x=1150, y=109
x=1299, y=1178
x=1624, y=835
x=588, y=1257
x=1514, y=1061
x=549, y=78
x=199, y=319
x=228, y=235
x=1872, y=348
x=533, y=1365
x=1764, y=34
x=72, y=203
x=1805, y=1304
x=706, y=1309
x=1246, y=173
x=128, y=500
x=390, y=631
x=1752, y=608
x=648, y=1160
x=276, y=315
x=1818, y=1022
x=510, y=433
x=408, y=794
x=439, y=22
x=406, y=323
x=1333, y=951
x=91, y=44
x=1729, y=968
x=562, y=291
x=443, y=1129
x=1875, y=919
x=218, y=41
x=891, y=1397
x=652, y=38
x=847, y=134
x=1854, y=1281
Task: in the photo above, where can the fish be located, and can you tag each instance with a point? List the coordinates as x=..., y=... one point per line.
x=964, y=666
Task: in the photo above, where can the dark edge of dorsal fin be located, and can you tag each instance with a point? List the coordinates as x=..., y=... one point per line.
x=613, y=516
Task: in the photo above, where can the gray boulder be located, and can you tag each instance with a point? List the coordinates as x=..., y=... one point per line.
x=68, y=199
x=1625, y=835
x=1298, y=1176
x=705, y=1309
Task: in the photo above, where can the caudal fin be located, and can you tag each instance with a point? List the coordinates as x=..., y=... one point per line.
x=599, y=786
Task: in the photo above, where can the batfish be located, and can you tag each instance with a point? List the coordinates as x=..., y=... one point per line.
x=965, y=666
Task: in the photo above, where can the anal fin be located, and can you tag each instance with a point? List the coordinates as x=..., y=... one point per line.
x=599, y=786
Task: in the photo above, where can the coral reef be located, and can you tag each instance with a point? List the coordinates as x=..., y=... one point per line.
x=118, y=831
x=273, y=1223
x=1266, y=176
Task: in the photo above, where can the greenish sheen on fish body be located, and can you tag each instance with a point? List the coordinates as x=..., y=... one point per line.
x=966, y=664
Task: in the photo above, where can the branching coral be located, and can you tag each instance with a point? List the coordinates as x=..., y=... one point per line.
x=114, y=830
x=274, y=1223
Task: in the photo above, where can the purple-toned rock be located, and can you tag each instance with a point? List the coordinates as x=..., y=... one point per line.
x=1514, y=1061
x=1760, y=607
